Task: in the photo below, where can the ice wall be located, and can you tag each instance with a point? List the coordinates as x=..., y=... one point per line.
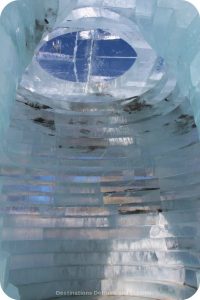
x=22, y=24
x=172, y=28
x=101, y=193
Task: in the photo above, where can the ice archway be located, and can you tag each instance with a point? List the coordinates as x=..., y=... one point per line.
x=100, y=182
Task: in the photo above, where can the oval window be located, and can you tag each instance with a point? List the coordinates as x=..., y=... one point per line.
x=83, y=56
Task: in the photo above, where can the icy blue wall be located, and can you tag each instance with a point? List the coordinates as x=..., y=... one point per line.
x=173, y=29
x=21, y=26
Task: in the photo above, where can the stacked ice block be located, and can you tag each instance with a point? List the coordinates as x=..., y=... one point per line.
x=100, y=188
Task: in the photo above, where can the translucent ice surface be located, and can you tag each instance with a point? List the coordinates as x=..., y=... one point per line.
x=99, y=153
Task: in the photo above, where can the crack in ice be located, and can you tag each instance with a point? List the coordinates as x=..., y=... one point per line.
x=75, y=55
x=90, y=62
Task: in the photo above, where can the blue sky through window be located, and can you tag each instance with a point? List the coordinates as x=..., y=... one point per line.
x=80, y=56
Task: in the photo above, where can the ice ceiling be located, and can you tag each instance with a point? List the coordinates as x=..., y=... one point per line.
x=99, y=156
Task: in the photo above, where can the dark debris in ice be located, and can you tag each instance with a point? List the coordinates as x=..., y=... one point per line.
x=36, y=106
x=136, y=105
x=44, y=122
x=183, y=124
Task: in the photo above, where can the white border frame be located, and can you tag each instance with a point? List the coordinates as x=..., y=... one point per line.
x=3, y=4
